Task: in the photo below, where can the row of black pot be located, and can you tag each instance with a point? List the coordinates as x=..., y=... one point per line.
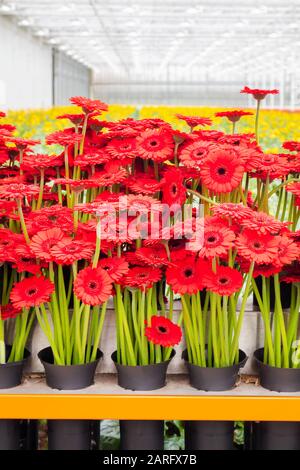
x=149, y=435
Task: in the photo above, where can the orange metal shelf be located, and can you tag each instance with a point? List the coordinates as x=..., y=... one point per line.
x=105, y=400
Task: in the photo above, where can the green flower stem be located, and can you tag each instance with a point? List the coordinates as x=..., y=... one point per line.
x=293, y=318
x=141, y=315
x=194, y=318
x=98, y=244
x=285, y=200
x=84, y=128
x=2, y=342
x=45, y=326
x=257, y=119
x=98, y=332
x=20, y=345
x=190, y=340
x=22, y=220
x=237, y=332
x=58, y=333
x=266, y=303
x=21, y=154
x=226, y=329
x=64, y=310
x=77, y=316
x=127, y=351
x=267, y=324
x=171, y=305
x=201, y=196
x=149, y=315
x=91, y=333
x=214, y=332
x=137, y=329
x=84, y=334
x=41, y=193
x=201, y=330
x=233, y=127
x=280, y=316
x=76, y=213
x=221, y=332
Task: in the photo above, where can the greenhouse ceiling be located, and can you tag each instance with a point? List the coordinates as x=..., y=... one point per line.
x=149, y=38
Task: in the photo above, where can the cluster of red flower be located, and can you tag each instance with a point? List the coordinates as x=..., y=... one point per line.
x=51, y=208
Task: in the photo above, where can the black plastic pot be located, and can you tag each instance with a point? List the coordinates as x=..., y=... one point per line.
x=11, y=372
x=10, y=434
x=285, y=293
x=68, y=434
x=72, y=377
x=211, y=435
x=275, y=435
x=276, y=378
x=272, y=435
x=151, y=377
x=142, y=434
x=213, y=378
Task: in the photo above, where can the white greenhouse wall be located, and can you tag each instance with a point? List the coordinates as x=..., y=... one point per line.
x=25, y=68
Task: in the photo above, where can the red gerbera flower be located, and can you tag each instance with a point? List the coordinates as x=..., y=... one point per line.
x=21, y=143
x=262, y=223
x=9, y=311
x=186, y=277
x=225, y=281
x=2, y=114
x=155, y=144
x=142, y=184
x=291, y=145
x=254, y=246
x=88, y=105
x=288, y=250
x=156, y=257
x=74, y=118
x=173, y=190
x=116, y=268
x=42, y=243
x=67, y=251
x=93, y=286
x=31, y=292
x=222, y=171
x=192, y=154
x=64, y=138
x=233, y=116
x=236, y=212
x=216, y=241
x=25, y=261
x=194, y=121
x=142, y=277
x=119, y=148
x=18, y=190
x=50, y=217
x=257, y=93
x=163, y=332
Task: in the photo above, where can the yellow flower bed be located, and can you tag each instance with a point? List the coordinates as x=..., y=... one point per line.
x=275, y=126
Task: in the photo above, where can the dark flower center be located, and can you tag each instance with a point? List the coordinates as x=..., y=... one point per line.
x=31, y=292
x=174, y=189
x=26, y=260
x=188, y=272
x=211, y=239
x=162, y=329
x=221, y=171
x=223, y=280
x=153, y=143
x=93, y=285
x=256, y=245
